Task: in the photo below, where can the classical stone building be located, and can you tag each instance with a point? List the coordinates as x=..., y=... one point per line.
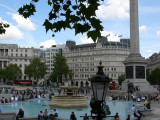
x=153, y=61
x=14, y=54
x=84, y=59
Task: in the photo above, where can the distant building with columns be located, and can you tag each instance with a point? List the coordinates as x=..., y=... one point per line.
x=14, y=54
x=84, y=59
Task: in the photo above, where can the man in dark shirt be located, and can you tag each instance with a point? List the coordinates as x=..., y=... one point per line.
x=72, y=116
x=20, y=114
x=85, y=117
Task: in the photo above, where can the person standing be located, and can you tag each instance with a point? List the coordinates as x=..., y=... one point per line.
x=85, y=117
x=40, y=116
x=116, y=116
x=45, y=114
x=72, y=116
x=133, y=109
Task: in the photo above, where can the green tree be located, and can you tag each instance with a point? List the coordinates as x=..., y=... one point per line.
x=60, y=69
x=1, y=73
x=154, y=76
x=121, y=78
x=12, y=72
x=147, y=74
x=36, y=69
x=28, y=71
x=79, y=15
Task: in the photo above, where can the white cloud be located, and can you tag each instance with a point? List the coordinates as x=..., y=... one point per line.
x=158, y=33
x=23, y=23
x=143, y=28
x=85, y=40
x=12, y=33
x=48, y=43
x=114, y=9
x=150, y=51
x=111, y=37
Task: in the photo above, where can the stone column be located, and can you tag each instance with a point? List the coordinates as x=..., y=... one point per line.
x=134, y=27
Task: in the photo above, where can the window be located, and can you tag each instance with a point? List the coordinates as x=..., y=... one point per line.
x=25, y=55
x=16, y=50
x=25, y=60
x=11, y=50
x=11, y=54
x=20, y=65
x=25, y=50
x=16, y=55
x=21, y=55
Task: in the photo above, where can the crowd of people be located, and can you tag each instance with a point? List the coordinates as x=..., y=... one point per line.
x=44, y=115
x=22, y=96
x=134, y=98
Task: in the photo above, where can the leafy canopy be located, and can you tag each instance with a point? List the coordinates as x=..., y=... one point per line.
x=12, y=72
x=153, y=77
x=79, y=15
x=121, y=78
x=60, y=69
x=36, y=69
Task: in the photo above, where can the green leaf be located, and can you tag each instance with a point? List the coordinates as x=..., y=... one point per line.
x=74, y=7
x=69, y=2
x=65, y=7
x=47, y=25
x=52, y=15
x=49, y=2
x=96, y=23
x=95, y=34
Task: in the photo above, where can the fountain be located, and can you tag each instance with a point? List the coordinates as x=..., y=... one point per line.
x=70, y=100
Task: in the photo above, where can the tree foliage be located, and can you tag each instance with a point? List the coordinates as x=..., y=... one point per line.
x=60, y=69
x=121, y=78
x=79, y=15
x=154, y=76
x=12, y=72
x=36, y=69
x=3, y=27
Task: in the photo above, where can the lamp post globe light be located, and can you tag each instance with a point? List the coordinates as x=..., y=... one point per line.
x=99, y=84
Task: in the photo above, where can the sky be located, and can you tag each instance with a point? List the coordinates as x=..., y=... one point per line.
x=114, y=15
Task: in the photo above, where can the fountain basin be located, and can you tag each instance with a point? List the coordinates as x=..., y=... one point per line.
x=69, y=101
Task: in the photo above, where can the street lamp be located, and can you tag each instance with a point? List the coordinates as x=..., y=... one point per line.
x=99, y=83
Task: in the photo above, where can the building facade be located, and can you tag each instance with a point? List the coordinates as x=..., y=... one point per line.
x=49, y=53
x=153, y=61
x=84, y=59
x=14, y=54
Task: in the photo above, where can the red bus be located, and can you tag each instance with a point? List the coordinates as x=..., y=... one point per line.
x=23, y=82
x=113, y=86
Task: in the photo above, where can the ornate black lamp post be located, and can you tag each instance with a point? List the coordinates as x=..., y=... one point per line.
x=99, y=83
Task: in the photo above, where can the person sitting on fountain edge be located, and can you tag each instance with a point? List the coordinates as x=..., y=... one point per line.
x=20, y=114
x=85, y=117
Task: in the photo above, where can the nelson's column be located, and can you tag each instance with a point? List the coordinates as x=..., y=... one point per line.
x=135, y=64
